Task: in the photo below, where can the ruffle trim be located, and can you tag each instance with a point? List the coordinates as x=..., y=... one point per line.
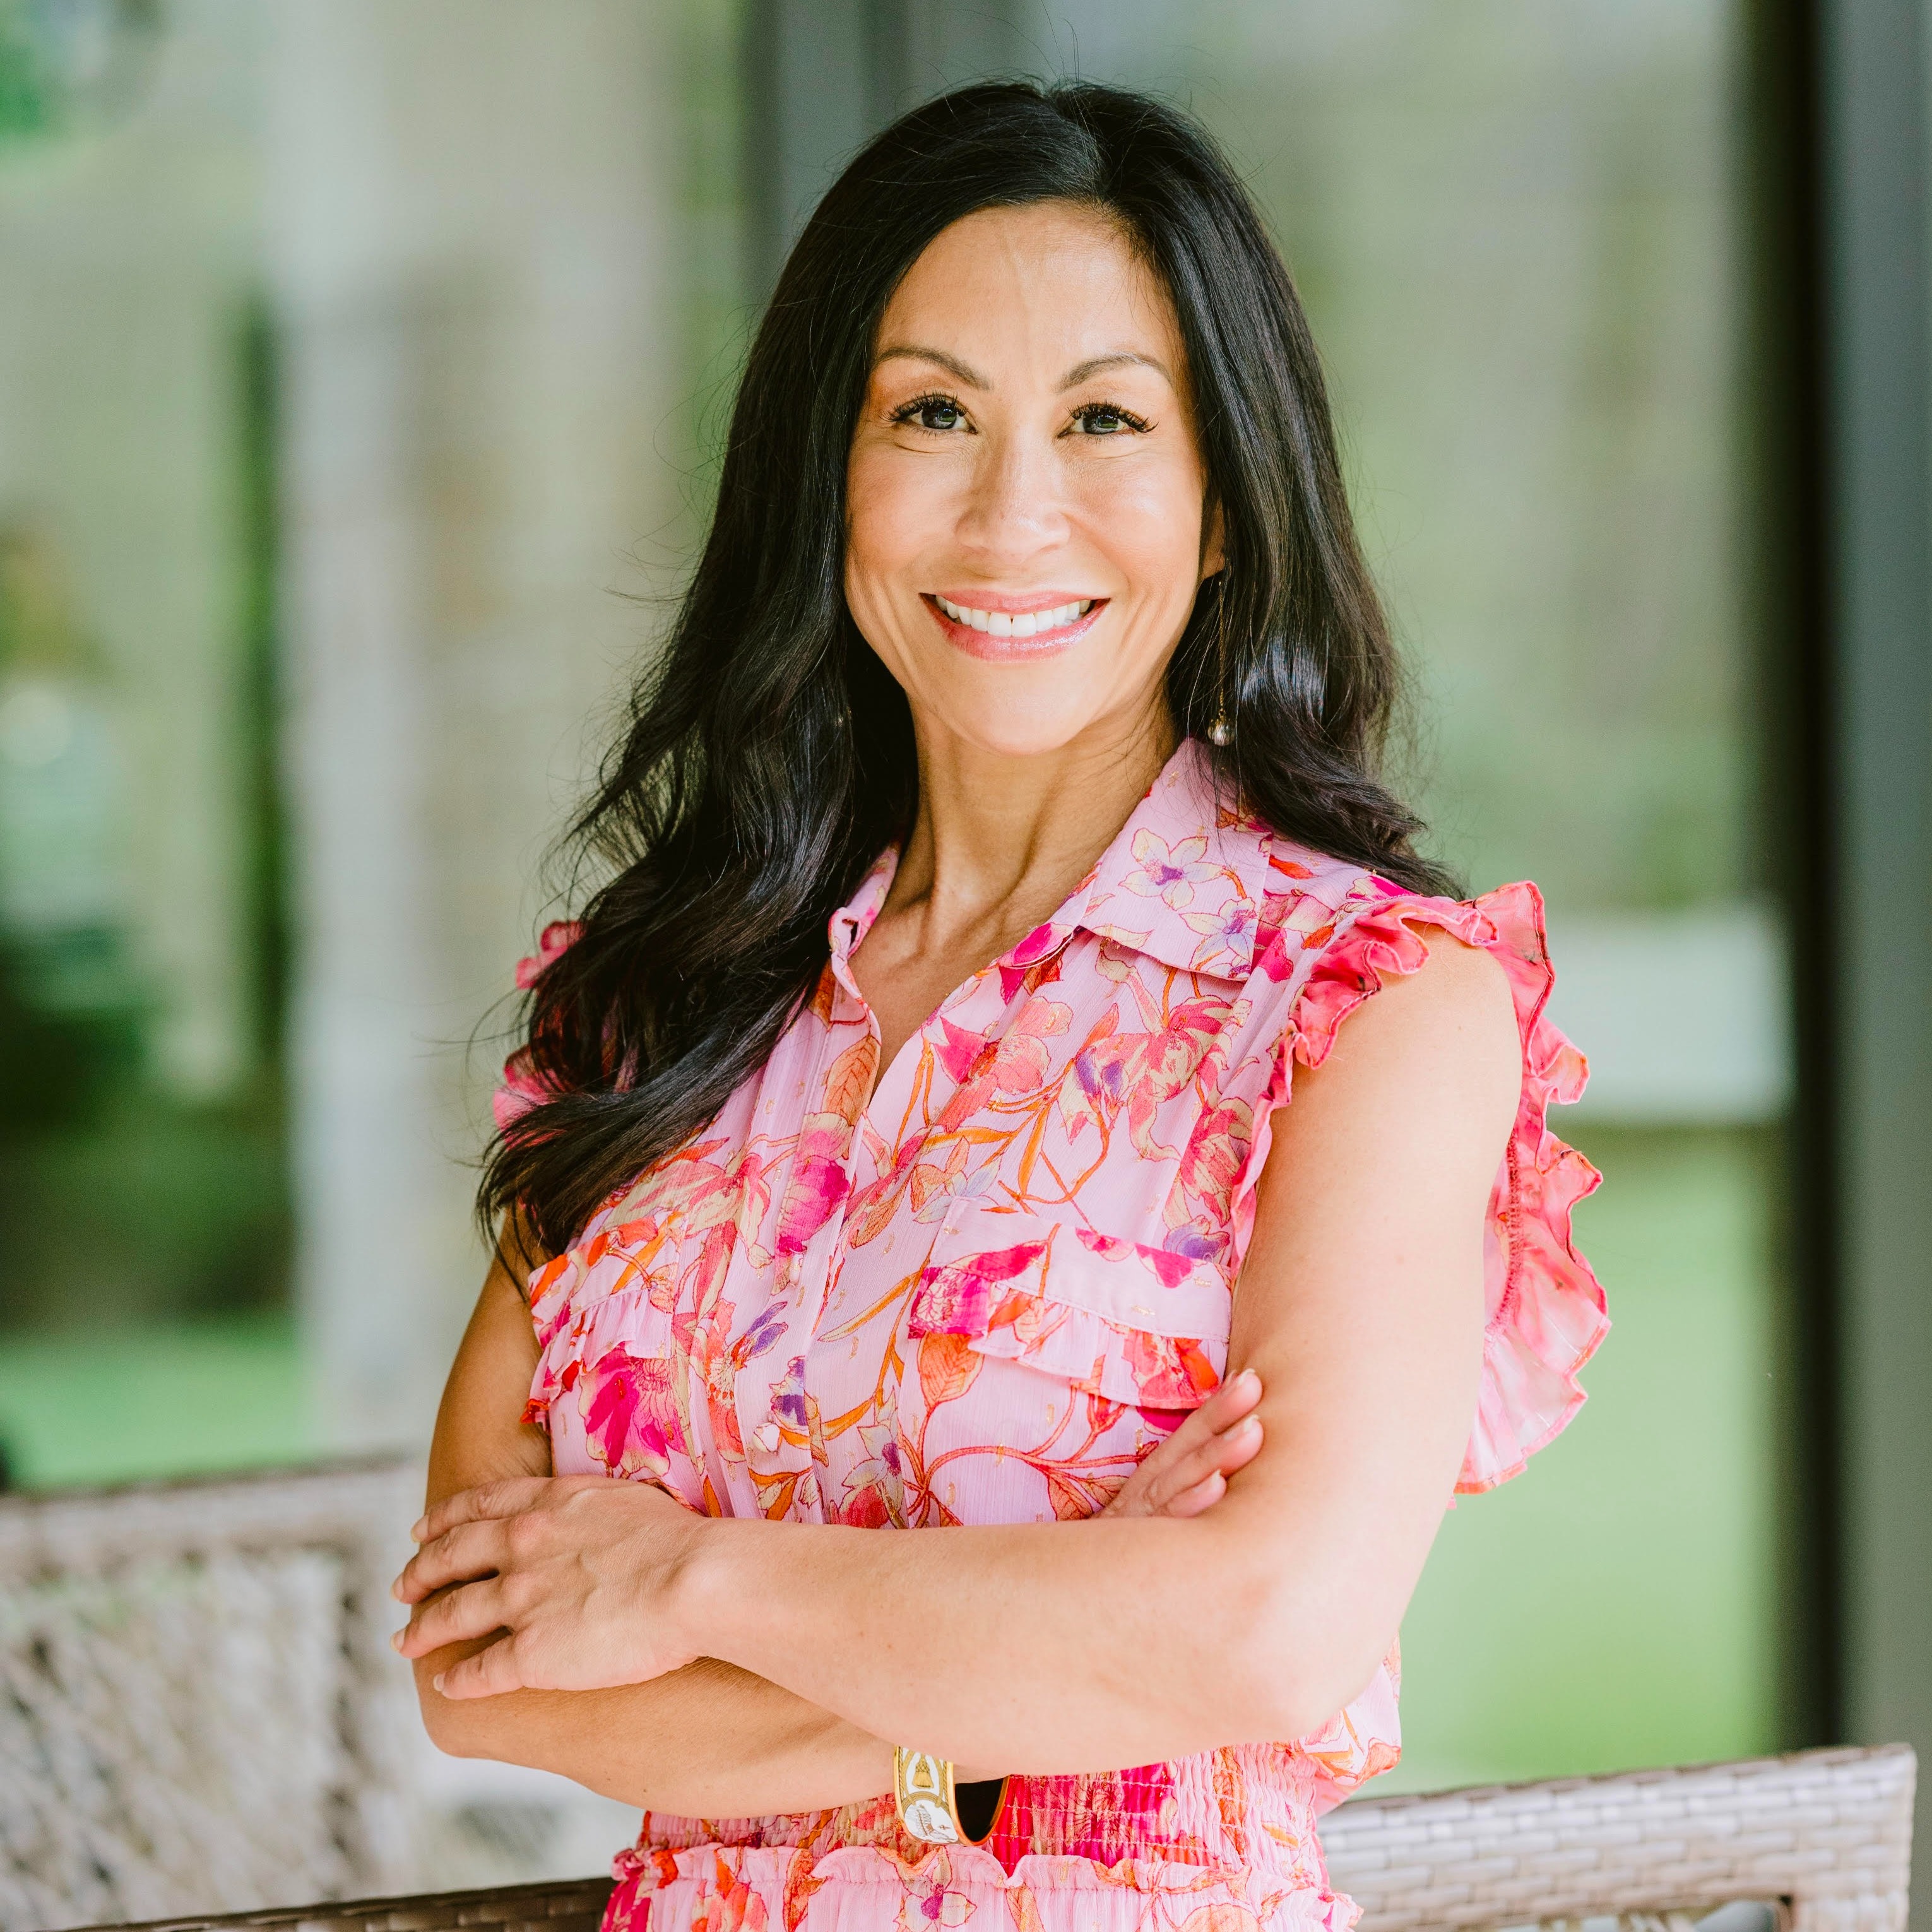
x=1546, y=1308
x=519, y=1089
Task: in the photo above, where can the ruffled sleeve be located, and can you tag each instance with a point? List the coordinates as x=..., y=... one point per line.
x=520, y=1089
x=1546, y=1312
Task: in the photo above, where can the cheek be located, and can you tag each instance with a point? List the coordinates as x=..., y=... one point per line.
x=1145, y=517
x=893, y=509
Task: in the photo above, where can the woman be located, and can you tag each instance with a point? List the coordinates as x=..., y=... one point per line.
x=997, y=844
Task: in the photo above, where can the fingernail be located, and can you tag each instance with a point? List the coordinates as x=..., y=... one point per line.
x=396, y=1641
x=1247, y=1379
x=396, y=1589
x=417, y=1528
x=436, y=1682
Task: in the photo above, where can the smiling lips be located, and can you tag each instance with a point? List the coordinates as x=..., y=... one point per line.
x=996, y=626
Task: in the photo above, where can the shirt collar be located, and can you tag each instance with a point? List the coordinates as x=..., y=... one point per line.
x=1183, y=882
x=852, y=920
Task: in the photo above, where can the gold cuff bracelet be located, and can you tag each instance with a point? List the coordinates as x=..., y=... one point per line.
x=929, y=1800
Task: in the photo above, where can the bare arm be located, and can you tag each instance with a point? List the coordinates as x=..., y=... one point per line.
x=1029, y=1647
x=710, y=1740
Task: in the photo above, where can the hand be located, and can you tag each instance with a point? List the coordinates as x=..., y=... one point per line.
x=577, y=1573
x=1188, y=1472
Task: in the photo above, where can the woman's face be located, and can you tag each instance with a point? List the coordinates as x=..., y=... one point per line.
x=1026, y=497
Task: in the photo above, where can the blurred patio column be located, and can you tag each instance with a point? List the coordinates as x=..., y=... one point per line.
x=1876, y=752
x=470, y=217
x=823, y=76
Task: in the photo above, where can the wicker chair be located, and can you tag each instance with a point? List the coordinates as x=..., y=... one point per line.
x=199, y=1706
x=1824, y=1837
x=1823, y=1840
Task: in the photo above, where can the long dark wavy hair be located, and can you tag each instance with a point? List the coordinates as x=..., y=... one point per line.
x=769, y=756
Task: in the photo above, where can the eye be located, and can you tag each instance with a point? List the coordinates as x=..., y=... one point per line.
x=936, y=412
x=1108, y=419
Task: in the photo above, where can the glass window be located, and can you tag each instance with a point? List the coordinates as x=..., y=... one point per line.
x=143, y=1173
x=1516, y=228
x=358, y=367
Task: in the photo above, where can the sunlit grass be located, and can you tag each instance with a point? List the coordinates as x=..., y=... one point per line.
x=1613, y=1605
x=101, y=1407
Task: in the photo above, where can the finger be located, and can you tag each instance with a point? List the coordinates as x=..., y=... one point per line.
x=1199, y=1497
x=461, y=1555
x=473, y=1611
x=1235, y=1448
x=1198, y=1426
x=1221, y=1454
x=513, y=1494
x=489, y=1673
x=1235, y=1398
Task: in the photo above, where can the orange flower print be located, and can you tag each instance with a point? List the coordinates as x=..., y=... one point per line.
x=1221, y=1918
x=929, y=1904
x=630, y=1413
x=819, y=1182
x=874, y=1489
x=979, y=1286
x=729, y=1905
x=957, y=1297
x=1216, y=1153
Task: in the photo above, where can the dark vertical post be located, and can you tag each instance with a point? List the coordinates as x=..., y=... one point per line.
x=1879, y=480
x=1786, y=434
x=821, y=77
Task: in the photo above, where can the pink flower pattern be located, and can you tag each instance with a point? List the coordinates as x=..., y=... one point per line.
x=982, y=1292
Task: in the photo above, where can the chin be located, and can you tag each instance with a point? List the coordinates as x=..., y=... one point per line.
x=1021, y=729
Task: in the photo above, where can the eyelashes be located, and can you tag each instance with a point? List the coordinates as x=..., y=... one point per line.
x=935, y=403
x=1095, y=418
x=1088, y=412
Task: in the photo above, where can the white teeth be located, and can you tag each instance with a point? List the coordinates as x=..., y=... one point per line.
x=1015, y=624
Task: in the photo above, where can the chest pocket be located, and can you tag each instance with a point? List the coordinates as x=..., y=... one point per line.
x=1111, y=1316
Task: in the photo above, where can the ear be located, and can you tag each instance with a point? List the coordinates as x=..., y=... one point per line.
x=1213, y=551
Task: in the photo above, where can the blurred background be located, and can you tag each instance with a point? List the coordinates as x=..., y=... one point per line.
x=363, y=366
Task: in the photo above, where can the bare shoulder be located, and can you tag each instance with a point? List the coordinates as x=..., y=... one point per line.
x=1437, y=1048
x=1460, y=993
x=1460, y=986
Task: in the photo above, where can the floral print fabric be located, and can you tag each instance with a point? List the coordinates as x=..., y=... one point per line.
x=983, y=1293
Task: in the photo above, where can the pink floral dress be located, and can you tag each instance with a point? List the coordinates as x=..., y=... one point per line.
x=982, y=1295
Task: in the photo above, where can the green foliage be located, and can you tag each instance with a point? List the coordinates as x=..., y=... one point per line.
x=26, y=102
x=67, y=63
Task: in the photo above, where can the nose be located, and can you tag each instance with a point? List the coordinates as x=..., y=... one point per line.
x=1014, y=511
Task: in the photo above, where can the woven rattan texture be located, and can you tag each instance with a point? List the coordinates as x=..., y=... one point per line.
x=1829, y=1832
x=1823, y=1836
x=573, y=1905
x=199, y=1709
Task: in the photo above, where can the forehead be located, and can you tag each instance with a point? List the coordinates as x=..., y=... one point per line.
x=1054, y=278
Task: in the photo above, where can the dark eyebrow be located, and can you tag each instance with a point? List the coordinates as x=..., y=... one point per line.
x=1121, y=358
x=914, y=351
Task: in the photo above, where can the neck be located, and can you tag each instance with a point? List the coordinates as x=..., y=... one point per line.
x=1003, y=840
